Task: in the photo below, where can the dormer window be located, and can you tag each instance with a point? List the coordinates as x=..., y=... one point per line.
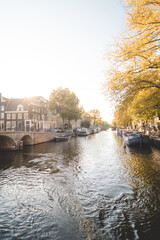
x=20, y=107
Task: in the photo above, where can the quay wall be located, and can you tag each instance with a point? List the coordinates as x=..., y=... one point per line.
x=16, y=140
x=44, y=137
x=156, y=142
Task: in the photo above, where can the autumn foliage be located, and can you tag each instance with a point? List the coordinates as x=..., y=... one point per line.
x=133, y=81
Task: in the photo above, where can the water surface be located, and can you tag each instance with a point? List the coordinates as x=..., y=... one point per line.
x=88, y=188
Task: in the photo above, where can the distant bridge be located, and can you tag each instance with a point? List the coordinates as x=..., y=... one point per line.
x=15, y=140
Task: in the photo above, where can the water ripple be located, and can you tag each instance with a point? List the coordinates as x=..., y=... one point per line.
x=86, y=189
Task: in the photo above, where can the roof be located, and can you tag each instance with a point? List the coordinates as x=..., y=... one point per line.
x=14, y=102
x=25, y=102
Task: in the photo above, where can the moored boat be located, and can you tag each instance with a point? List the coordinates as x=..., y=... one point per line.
x=84, y=132
x=132, y=139
x=136, y=139
x=65, y=137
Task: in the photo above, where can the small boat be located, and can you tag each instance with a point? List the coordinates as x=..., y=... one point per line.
x=65, y=137
x=95, y=130
x=132, y=139
x=84, y=132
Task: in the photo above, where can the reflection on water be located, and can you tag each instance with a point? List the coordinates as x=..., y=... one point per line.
x=88, y=188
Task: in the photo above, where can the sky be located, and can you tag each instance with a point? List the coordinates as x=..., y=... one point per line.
x=46, y=44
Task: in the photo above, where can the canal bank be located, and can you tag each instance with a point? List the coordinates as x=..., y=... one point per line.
x=16, y=140
x=156, y=142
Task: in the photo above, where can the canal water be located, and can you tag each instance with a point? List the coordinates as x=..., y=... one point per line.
x=90, y=188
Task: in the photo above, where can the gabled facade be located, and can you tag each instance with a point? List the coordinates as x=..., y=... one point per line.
x=29, y=114
x=23, y=114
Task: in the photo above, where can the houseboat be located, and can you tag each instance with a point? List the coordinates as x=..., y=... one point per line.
x=84, y=132
x=132, y=139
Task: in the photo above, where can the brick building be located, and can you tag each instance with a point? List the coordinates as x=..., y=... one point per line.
x=23, y=114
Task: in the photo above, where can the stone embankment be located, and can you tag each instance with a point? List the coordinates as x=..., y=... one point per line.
x=16, y=140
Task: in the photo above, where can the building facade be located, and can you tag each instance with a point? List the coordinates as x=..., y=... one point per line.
x=30, y=114
x=23, y=114
x=3, y=103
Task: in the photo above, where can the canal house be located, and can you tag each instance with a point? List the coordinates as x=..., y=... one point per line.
x=23, y=114
x=30, y=114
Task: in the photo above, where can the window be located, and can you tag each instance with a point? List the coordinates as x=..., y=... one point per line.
x=8, y=116
x=20, y=107
x=2, y=115
x=2, y=108
x=26, y=116
x=19, y=115
x=13, y=124
x=13, y=115
x=8, y=124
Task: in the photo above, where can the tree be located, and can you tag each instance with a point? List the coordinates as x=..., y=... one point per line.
x=86, y=119
x=135, y=62
x=145, y=105
x=85, y=123
x=106, y=124
x=94, y=115
x=65, y=103
x=122, y=115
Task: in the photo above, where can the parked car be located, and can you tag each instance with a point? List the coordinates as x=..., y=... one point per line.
x=57, y=130
x=68, y=130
